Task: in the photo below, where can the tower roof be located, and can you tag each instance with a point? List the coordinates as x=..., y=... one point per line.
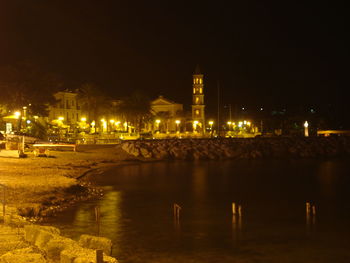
x=197, y=70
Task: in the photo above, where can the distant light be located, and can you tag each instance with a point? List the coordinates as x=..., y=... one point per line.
x=111, y=121
x=17, y=113
x=195, y=122
x=36, y=117
x=103, y=120
x=229, y=123
x=117, y=122
x=177, y=121
x=83, y=119
x=211, y=122
x=261, y=108
x=243, y=108
x=306, y=124
x=244, y=122
x=28, y=121
x=157, y=121
x=240, y=124
x=60, y=118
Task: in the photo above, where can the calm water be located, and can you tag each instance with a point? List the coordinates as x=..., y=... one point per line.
x=136, y=212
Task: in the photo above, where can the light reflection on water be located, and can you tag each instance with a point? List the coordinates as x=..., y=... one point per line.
x=137, y=212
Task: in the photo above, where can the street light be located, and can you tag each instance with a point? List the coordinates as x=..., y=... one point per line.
x=157, y=125
x=177, y=125
x=211, y=128
x=306, y=129
x=195, y=123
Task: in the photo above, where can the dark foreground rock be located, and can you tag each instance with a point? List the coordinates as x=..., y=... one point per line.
x=213, y=149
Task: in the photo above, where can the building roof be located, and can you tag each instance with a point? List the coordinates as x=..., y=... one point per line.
x=162, y=101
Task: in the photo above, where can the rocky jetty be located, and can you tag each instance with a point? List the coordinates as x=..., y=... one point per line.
x=228, y=148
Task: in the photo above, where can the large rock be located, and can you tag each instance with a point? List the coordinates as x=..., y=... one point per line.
x=25, y=255
x=35, y=233
x=93, y=242
x=56, y=245
x=82, y=255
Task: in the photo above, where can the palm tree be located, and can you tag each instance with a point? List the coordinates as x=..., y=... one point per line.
x=93, y=102
x=136, y=109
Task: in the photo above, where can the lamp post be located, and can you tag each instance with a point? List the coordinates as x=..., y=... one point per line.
x=157, y=125
x=117, y=123
x=60, y=123
x=306, y=129
x=195, y=123
x=229, y=125
x=18, y=117
x=112, y=125
x=211, y=128
x=177, y=126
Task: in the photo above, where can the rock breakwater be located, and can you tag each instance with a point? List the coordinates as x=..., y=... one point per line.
x=228, y=148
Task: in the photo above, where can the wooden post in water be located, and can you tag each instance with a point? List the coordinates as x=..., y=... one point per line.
x=236, y=221
x=233, y=208
x=239, y=210
x=97, y=217
x=310, y=216
x=4, y=202
x=99, y=256
x=177, y=209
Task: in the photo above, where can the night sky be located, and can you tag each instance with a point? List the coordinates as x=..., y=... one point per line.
x=263, y=54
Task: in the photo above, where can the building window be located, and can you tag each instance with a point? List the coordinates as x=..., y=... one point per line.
x=197, y=100
x=200, y=90
x=194, y=91
x=200, y=81
x=197, y=112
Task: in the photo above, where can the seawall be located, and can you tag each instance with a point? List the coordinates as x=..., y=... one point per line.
x=228, y=148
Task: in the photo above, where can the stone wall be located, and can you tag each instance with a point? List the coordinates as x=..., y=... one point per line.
x=213, y=149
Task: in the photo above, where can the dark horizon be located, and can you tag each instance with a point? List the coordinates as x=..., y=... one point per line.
x=272, y=55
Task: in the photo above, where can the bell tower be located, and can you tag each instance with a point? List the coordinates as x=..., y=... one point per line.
x=198, y=114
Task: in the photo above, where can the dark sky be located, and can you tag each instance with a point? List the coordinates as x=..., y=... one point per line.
x=263, y=53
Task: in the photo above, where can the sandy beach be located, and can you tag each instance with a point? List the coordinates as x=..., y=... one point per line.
x=39, y=186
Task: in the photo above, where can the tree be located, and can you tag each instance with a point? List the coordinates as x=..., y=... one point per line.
x=93, y=102
x=136, y=109
x=25, y=84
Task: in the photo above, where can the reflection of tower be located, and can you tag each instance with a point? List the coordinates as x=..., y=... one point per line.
x=198, y=100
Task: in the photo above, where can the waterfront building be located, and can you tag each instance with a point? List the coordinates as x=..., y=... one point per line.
x=198, y=106
x=67, y=109
x=167, y=114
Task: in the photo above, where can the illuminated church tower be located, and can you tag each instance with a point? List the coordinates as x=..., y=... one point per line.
x=198, y=115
